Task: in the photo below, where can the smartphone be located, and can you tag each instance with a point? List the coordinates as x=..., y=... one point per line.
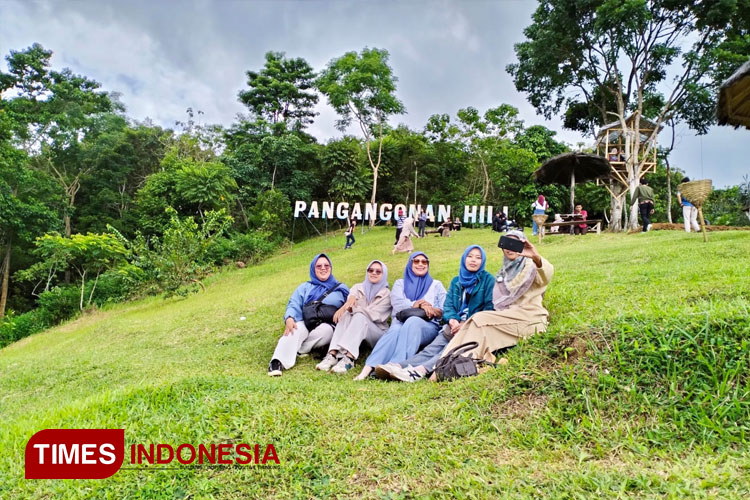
x=511, y=244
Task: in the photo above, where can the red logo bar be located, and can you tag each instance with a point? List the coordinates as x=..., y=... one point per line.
x=75, y=453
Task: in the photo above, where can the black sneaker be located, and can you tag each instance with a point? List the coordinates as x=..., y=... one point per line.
x=275, y=368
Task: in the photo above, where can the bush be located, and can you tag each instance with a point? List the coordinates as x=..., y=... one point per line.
x=251, y=247
x=59, y=304
x=13, y=328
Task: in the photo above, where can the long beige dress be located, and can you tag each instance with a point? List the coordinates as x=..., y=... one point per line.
x=404, y=242
x=366, y=322
x=493, y=330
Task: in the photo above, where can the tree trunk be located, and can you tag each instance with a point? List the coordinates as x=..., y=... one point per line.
x=617, y=206
x=572, y=192
x=669, y=193
x=6, y=279
x=633, y=222
x=374, y=191
x=83, y=286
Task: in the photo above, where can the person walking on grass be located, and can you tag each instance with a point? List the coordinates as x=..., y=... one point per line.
x=350, y=233
x=540, y=206
x=298, y=338
x=362, y=318
x=469, y=293
x=689, y=211
x=417, y=302
x=404, y=243
x=517, y=298
x=399, y=224
x=644, y=196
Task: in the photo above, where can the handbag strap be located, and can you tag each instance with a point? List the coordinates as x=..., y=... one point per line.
x=335, y=286
x=460, y=349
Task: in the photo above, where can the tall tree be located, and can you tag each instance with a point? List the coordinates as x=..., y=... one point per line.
x=282, y=91
x=362, y=87
x=51, y=111
x=658, y=59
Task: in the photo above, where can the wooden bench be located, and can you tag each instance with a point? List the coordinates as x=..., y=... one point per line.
x=594, y=224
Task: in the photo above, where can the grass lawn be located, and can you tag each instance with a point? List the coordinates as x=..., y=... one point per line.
x=639, y=389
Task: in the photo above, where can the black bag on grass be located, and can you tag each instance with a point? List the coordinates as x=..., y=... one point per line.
x=453, y=365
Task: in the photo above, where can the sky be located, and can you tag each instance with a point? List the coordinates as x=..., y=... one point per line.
x=164, y=56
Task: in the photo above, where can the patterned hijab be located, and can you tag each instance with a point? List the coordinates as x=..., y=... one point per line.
x=514, y=278
x=415, y=287
x=319, y=287
x=372, y=289
x=469, y=279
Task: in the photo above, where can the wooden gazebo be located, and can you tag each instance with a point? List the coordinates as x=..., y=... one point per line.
x=610, y=143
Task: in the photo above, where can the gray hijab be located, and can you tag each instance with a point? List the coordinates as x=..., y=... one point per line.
x=372, y=289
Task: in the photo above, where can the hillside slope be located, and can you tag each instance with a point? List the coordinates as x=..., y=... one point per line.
x=639, y=388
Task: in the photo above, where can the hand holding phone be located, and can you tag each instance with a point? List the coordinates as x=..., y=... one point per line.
x=512, y=244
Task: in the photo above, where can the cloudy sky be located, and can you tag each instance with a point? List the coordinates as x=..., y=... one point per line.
x=164, y=56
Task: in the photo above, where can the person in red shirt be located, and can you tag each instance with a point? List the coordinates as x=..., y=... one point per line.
x=580, y=228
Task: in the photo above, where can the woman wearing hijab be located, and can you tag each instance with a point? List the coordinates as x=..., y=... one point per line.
x=540, y=206
x=297, y=339
x=364, y=317
x=517, y=298
x=470, y=292
x=404, y=243
x=417, y=290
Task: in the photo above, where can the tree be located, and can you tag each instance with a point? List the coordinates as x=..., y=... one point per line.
x=86, y=254
x=50, y=112
x=207, y=185
x=599, y=60
x=282, y=91
x=362, y=87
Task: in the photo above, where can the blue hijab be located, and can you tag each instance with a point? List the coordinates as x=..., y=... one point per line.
x=319, y=287
x=415, y=287
x=469, y=279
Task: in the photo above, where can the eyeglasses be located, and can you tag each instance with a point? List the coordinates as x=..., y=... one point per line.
x=421, y=261
x=323, y=266
x=374, y=271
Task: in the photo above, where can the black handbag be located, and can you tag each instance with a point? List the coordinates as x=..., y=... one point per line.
x=409, y=312
x=315, y=312
x=453, y=365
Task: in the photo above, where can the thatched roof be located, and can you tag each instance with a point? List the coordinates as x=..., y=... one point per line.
x=734, y=99
x=587, y=167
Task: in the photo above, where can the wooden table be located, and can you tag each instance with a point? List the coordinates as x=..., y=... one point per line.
x=597, y=225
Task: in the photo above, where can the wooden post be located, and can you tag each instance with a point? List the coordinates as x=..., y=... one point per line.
x=703, y=227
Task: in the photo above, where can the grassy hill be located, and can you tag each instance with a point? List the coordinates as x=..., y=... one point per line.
x=640, y=388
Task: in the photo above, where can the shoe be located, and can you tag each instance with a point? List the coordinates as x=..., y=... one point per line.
x=383, y=372
x=408, y=374
x=344, y=365
x=275, y=368
x=328, y=362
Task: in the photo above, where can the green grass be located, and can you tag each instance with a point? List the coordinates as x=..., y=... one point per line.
x=639, y=389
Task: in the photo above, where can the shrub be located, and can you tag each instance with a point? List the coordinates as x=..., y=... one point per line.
x=15, y=327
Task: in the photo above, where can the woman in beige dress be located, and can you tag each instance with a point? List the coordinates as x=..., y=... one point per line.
x=363, y=317
x=404, y=243
x=517, y=297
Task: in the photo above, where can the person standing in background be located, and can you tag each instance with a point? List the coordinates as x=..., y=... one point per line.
x=422, y=222
x=350, y=233
x=540, y=206
x=689, y=212
x=644, y=196
x=399, y=224
x=580, y=214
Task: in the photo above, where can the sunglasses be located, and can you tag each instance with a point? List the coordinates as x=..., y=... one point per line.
x=324, y=266
x=374, y=271
x=421, y=261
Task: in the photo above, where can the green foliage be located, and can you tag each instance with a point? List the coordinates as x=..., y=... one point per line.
x=361, y=87
x=178, y=258
x=282, y=91
x=245, y=247
x=208, y=185
x=343, y=162
x=89, y=254
x=272, y=214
